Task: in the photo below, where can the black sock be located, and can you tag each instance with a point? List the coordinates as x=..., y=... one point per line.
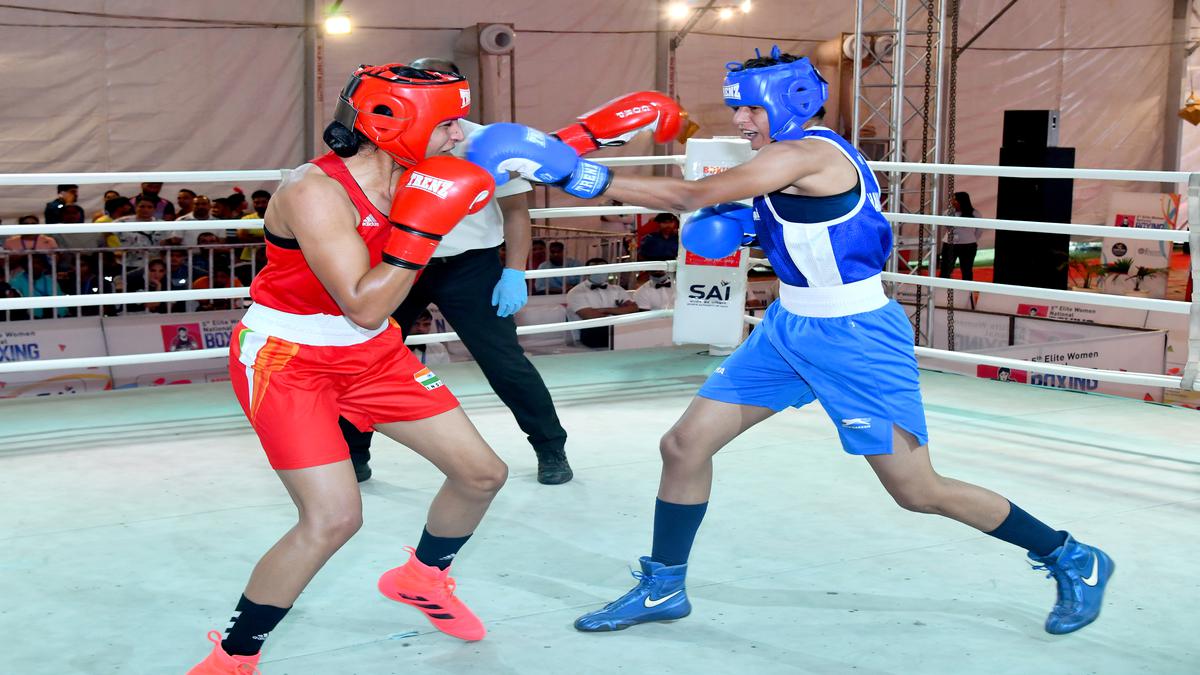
x=439, y=552
x=1031, y=534
x=675, y=527
x=250, y=626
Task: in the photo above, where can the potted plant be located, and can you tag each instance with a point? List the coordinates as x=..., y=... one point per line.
x=1117, y=269
x=1142, y=274
x=1084, y=271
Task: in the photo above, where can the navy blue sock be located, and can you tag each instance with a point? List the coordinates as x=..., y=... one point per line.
x=675, y=528
x=1031, y=534
x=439, y=552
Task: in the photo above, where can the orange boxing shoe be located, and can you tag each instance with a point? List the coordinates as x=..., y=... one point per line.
x=431, y=590
x=220, y=663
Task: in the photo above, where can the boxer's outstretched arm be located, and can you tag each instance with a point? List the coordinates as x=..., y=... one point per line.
x=773, y=168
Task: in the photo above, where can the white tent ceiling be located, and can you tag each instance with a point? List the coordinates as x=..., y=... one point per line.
x=90, y=92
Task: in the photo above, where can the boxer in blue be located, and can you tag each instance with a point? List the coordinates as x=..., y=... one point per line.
x=833, y=336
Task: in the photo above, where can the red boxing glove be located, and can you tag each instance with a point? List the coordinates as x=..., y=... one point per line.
x=619, y=120
x=431, y=198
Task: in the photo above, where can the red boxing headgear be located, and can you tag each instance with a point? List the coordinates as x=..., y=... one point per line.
x=397, y=107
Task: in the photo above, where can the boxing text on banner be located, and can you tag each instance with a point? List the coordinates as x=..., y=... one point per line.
x=49, y=339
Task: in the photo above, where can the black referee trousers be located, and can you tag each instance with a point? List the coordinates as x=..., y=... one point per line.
x=461, y=286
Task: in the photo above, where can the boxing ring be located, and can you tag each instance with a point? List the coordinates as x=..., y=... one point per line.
x=132, y=517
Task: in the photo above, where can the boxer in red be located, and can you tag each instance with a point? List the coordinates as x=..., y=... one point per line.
x=347, y=234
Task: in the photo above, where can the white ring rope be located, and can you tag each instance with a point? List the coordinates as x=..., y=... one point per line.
x=1151, y=304
x=1115, y=376
x=1177, y=236
x=223, y=352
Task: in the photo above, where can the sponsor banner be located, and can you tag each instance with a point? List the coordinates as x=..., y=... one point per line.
x=973, y=331
x=1061, y=311
x=143, y=333
x=1146, y=210
x=51, y=339
x=1039, y=331
x=1140, y=351
x=710, y=295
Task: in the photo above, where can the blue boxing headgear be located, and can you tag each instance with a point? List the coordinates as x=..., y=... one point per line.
x=791, y=93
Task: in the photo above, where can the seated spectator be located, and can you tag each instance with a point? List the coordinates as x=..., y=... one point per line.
x=73, y=214
x=163, y=209
x=205, y=258
x=434, y=352
x=594, y=298
x=537, y=253
x=185, y=199
x=656, y=293
x=555, y=261
x=664, y=244
x=39, y=284
x=179, y=269
x=103, y=212
x=154, y=279
x=7, y=291
x=67, y=194
x=220, y=278
x=86, y=280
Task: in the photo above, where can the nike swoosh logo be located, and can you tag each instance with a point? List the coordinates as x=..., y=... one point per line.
x=655, y=603
x=1095, y=575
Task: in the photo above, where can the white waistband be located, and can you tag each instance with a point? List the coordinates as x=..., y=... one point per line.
x=829, y=301
x=320, y=330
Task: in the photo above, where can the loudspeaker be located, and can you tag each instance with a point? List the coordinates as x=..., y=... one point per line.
x=1034, y=258
x=1030, y=129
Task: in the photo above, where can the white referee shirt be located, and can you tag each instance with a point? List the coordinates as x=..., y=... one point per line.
x=584, y=296
x=648, y=297
x=484, y=229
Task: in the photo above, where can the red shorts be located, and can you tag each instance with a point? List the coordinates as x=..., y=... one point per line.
x=293, y=393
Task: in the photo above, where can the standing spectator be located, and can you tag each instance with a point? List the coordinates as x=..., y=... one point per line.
x=555, y=261
x=39, y=284
x=201, y=210
x=117, y=207
x=254, y=235
x=655, y=293
x=73, y=214
x=141, y=240
x=223, y=210
x=163, y=209
x=186, y=199
x=260, y=199
x=67, y=194
x=593, y=299
x=664, y=244
x=433, y=353
x=108, y=195
x=960, y=243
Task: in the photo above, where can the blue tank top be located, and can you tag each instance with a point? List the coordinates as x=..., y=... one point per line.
x=810, y=246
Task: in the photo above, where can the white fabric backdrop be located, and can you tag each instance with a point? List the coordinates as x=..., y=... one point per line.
x=127, y=94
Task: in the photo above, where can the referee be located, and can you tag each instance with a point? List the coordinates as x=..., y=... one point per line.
x=478, y=296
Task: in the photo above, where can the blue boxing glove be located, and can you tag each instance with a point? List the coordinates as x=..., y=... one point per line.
x=510, y=293
x=718, y=231
x=500, y=148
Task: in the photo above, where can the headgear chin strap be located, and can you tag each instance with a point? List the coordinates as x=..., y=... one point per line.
x=791, y=93
x=397, y=107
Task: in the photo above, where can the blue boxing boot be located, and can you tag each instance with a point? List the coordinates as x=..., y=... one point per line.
x=1081, y=572
x=659, y=596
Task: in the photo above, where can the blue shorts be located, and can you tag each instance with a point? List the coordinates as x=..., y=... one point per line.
x=860, y=367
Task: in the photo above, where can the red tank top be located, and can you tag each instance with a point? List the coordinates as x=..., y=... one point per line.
x=287, y=283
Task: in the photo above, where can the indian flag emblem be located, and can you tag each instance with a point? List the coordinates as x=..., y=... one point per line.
x=426, y=378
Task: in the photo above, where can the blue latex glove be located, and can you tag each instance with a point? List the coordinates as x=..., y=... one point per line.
x=510, y=293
